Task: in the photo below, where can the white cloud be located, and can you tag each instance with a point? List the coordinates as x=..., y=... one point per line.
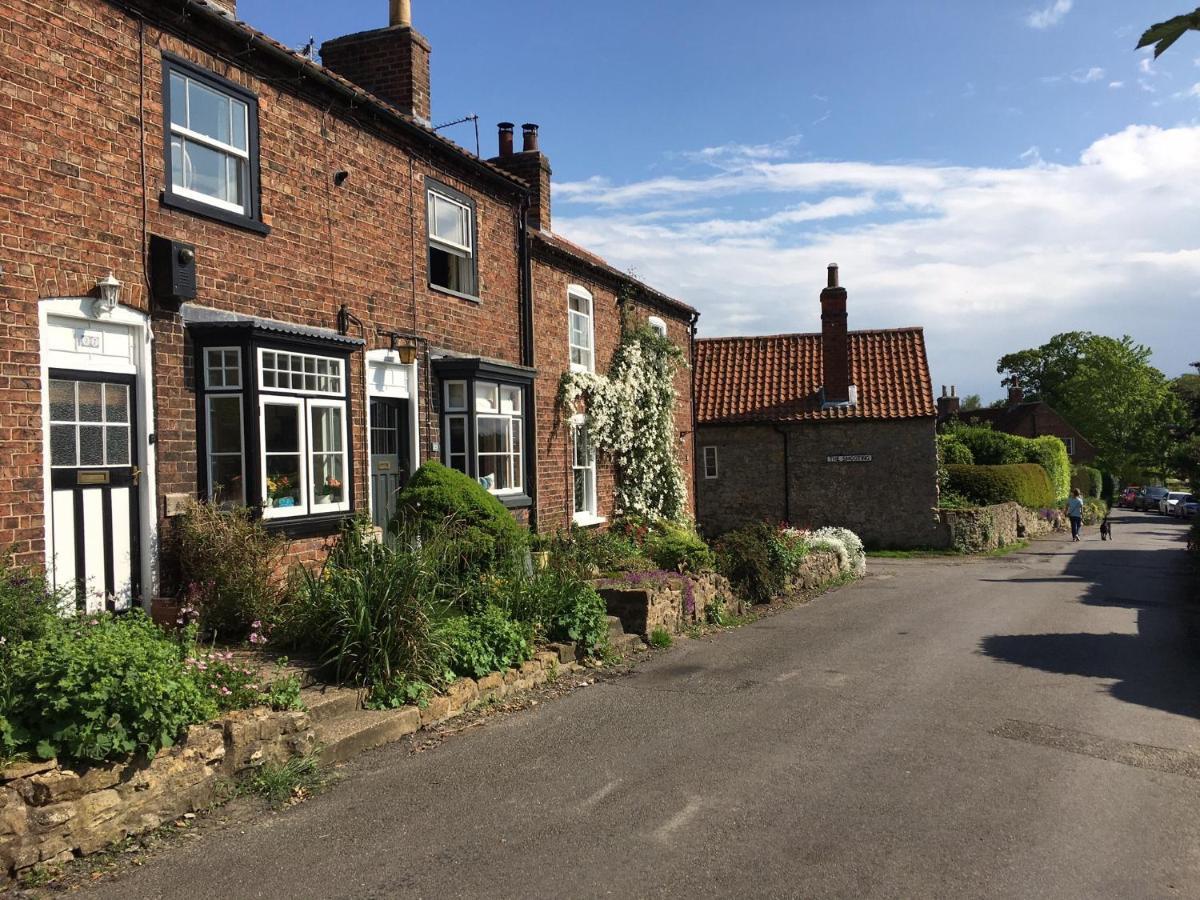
x=1146, y=65
x=1081, y=76
x=1115, y=85
x=989, y=260
x=1191, y=93
x=1050, y=16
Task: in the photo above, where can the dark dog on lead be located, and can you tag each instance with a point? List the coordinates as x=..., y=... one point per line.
x=1105, y=529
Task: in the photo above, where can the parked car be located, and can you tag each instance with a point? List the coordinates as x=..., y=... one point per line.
x=1190, y=508
x=1167, y=504
x=1148, y=497
x=1128, y=497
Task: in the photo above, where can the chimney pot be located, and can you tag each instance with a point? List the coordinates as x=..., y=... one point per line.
x=506, y=138
x=529, y=135
x=943, y=390
x=833, y=275
x=400, y=14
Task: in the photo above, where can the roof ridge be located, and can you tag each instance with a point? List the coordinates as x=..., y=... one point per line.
x=904, y=329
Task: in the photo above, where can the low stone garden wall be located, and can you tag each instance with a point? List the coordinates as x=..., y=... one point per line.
x=50, y=813
x=984, y=528
x=648, y=601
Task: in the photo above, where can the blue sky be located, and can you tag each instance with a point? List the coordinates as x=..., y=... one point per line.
x=995, y=172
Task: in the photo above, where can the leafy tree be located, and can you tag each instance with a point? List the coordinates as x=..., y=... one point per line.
x=972, y=401
x=1042, y=371
x=1164, y=34
x=1124, y=406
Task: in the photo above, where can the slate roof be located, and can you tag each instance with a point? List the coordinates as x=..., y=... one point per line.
x=777, y=378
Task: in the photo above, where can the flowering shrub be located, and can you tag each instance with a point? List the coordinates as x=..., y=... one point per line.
x=631, y=419
x=759, y=559
x=852, y=556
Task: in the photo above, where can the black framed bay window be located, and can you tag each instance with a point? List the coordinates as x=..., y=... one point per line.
x=274, y=424
x=486, y=425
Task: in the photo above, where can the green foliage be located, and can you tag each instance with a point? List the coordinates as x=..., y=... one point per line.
x=488, y=641
x=1108, y=489
x=443, y=503
x=582, y=618
x=954, y=451
x=661, y=638
x=230, y=561
x=1024, y=483
x=678, y=548
x=27, y=603
x=988, y=447
x=1043, y=371
x=1094, y=511
x=369, y=615
x=289, y=781
x=589, y=552
x=1050, y=453
x=1089, y=480
x=716, y=612
x=102, y=687
x=557, y=604
x=399, y=692
x=789, y=549
x=746, y=557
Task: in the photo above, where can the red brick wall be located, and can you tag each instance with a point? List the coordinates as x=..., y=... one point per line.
x=551, y=278
x=72, y=156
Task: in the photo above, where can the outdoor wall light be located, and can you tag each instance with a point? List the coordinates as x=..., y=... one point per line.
x=407, y=354
x=109, y=290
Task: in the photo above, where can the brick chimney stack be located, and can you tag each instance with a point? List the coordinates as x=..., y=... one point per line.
x=531, y=166
x=1015, y=393
x=835, y=343
x=392, y=63
x=948, y=404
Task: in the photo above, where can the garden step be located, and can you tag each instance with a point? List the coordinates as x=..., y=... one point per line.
x=350, y=734
x=327, y=703
x=626, y=644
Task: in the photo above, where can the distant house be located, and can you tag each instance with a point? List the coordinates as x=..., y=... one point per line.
x=1027, y=418
x=835, y=428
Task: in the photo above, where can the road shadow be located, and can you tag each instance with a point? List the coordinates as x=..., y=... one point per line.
x=1157, y=667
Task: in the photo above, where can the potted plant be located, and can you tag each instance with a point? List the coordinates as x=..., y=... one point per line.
x=329, y=492
x=280, y=491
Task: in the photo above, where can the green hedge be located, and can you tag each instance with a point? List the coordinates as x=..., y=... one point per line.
x=997, y=448
x=1024, y=483
x=1089, y=480
x=953, y=451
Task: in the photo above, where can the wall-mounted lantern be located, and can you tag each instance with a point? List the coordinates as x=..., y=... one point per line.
x=109, y=294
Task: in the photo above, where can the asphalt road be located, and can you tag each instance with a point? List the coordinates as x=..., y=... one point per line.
x=1024, y=726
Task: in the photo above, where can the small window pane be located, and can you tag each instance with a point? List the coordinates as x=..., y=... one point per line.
x=240, y=114
x=227, y=485
x=116, y=403
x=281, y=425
x=178, y=100
x=62, y=445
x=449, y=221
x=458, y=435
x=326, y=429
x=208, y=112
x=62, y=401
x=581, y=304
x=90, y=404
x=456, y=395
x=225, y=425
x=268, y=378
x=492, y=435
x=91, y=445
x=510, y=400
x=486, y=397
x=283, y=480
x=117, y=438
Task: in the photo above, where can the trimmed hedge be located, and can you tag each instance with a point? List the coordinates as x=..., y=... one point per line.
x=998, y=448
x=954, y=452
x=1089, y=480
x=1024, y=483
x=445, y=503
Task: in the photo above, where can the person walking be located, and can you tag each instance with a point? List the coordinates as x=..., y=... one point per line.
x=1075, y=514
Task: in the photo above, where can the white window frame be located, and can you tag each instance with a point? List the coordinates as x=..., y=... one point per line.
x=208, y=436
x=301, y=507
x=590, y=515
x=208, y=385
x=340, y=392
x=465, y=251
x=470, y=415
x=1070, y=442
x=211, y=143
x=657, y=325
x=310, y=475
x=578, y=292
x=716, y=470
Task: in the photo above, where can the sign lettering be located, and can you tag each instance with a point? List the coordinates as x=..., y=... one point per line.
x=849, y=458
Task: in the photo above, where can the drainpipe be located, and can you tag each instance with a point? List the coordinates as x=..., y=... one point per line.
x=692, y=405
x=787, y=482
x=528, y=358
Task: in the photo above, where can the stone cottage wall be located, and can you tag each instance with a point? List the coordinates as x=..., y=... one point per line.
x=984, y=528
x=49, y=813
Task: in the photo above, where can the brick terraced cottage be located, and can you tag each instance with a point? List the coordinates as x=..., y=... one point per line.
x=231, y=272
x=1025, y=418
x=836, y=428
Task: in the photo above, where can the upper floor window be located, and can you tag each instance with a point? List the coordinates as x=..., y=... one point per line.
x=657, y=325
x=452, y=263
x=710, y=462
x=212, y=145
x=581, y=333
x=1070, y=442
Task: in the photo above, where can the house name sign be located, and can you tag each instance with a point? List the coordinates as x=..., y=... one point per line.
x=849, y=458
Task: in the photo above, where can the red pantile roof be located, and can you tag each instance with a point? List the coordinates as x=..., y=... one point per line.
x=777, y=378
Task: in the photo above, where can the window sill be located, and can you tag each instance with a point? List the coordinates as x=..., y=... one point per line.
x=587, y=520
x=514, y=501
x=204, y=210
x=437, y=288
x=322, y=525
x=576, y=367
